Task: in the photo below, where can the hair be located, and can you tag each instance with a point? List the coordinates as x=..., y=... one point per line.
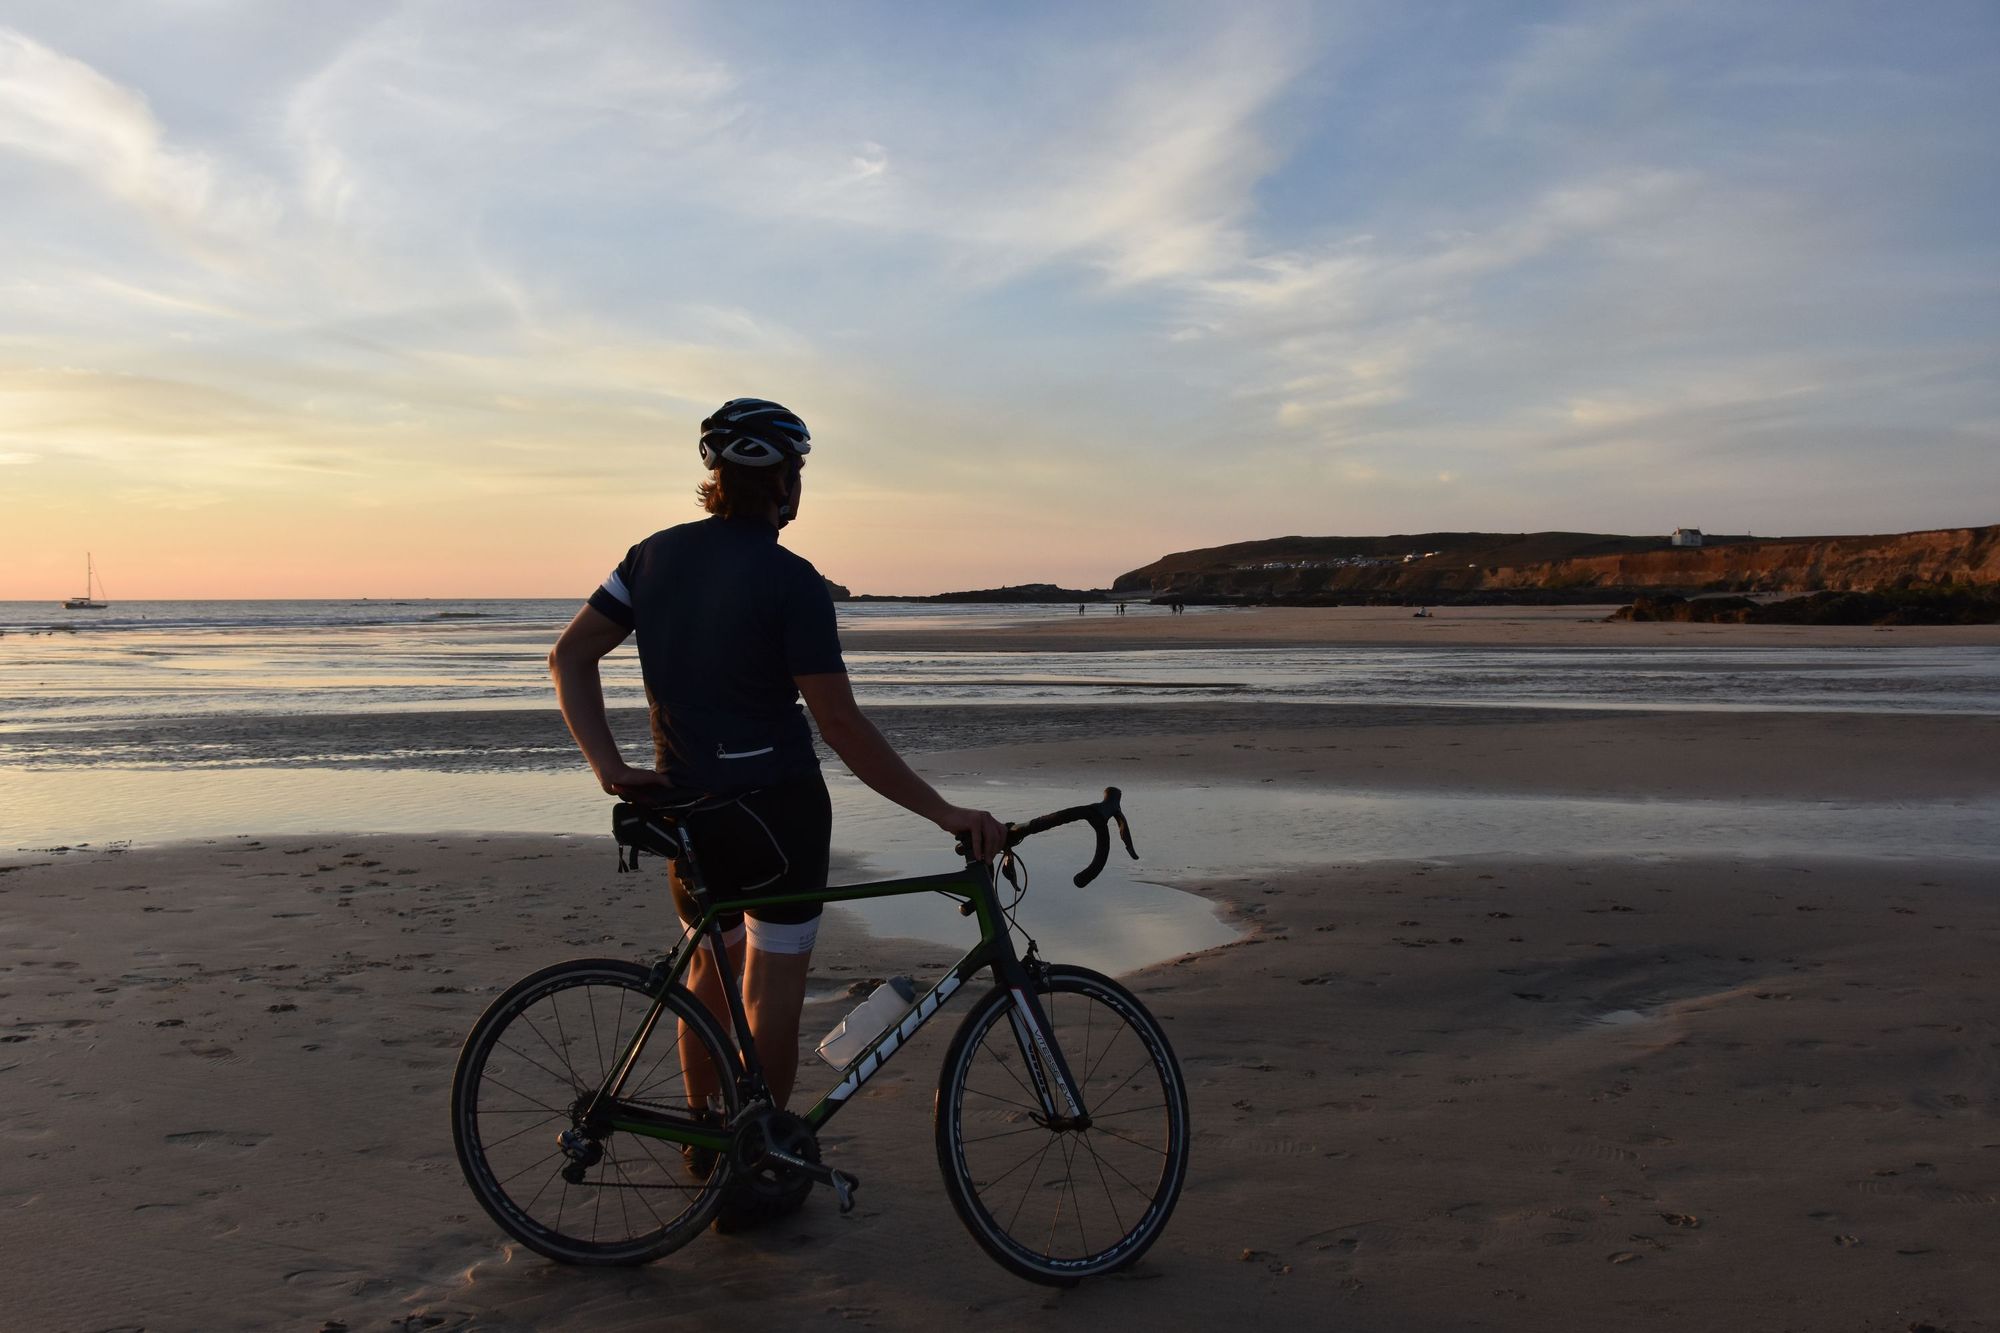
x=732, y=489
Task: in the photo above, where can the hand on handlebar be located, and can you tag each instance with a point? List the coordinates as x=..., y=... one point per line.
x=980, y=836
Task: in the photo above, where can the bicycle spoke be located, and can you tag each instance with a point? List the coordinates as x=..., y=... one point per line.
x=555, y=1007
x=673, y=1050
x=653, y=1075
x=1099, y=1163
x=1069, y=1176
x=1017, y=1166
x=1105, y=1054
x=551, y=1114
x=522, y=1095
x=1049, y=1247
x=1095, y=1116
x=1144, y=1065
x=596, y=1038
x=554, y=1152
x=1006, y=1101
x=612, y=1157
x=1134, y=1142
x=531, y=1060
x=1001, y=1060
x=553, y=1171
x=574, y=1084
x=1089, y=1019
x=1005, y=1134
x=1032, y=1178
x=641, y=1193
x=1142, y=1190
x=519, y=1132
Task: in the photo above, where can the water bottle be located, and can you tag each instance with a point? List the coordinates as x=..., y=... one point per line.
x=868, y=1020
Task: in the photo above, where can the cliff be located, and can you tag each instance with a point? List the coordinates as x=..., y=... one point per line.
x=1475, y=566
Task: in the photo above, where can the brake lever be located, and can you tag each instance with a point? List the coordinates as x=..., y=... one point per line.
x=1113, y=800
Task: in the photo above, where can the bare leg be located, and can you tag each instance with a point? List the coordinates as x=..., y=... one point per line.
x=774, y=990
x=706, y=983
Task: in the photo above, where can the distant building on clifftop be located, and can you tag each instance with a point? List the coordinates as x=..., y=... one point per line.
x=1686, y=537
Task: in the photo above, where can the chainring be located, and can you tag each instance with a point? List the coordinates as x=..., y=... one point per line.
x=753, y=1169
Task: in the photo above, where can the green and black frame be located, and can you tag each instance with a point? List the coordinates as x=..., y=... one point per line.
x=1061, y=1121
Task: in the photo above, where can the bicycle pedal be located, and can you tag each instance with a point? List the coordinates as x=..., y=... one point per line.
x=844, y=1186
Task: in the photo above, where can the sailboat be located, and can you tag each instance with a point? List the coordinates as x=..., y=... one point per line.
x=87, y=602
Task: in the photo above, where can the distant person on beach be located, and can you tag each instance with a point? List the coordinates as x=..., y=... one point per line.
x=733, y=630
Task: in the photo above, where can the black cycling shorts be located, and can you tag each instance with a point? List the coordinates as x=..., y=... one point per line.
x=772, y=840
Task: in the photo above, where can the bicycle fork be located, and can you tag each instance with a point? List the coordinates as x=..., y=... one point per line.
x=1055, y=1086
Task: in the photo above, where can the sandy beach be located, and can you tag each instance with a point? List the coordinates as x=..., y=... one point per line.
x=1508, y=1095
x=1682, y=1091
x=1099, y=630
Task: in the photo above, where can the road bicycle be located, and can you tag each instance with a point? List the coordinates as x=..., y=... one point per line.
x=1061, y=1117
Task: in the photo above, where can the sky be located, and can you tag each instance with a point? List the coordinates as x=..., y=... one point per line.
x=428, y=299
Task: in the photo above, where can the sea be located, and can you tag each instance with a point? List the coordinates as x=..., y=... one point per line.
x=83, y=677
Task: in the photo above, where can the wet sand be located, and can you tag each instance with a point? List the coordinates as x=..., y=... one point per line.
x=1781, y=756
x=1100, y=630
x=1505, y=1095
x=1667, y=1092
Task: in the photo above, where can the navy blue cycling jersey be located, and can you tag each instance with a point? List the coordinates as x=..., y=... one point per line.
x=725, y=618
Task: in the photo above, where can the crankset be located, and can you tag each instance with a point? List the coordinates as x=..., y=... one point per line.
x=772, y=1150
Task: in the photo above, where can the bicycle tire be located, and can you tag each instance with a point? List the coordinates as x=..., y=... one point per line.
x=976, y=1179
x=542, y=1080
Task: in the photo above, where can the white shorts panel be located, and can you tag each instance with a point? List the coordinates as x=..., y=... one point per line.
x=783, y=937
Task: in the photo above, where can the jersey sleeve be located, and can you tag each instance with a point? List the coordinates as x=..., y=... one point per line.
x=812, y=639
x=613, y=597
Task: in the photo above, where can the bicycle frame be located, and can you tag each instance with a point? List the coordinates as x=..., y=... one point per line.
x=995, y=949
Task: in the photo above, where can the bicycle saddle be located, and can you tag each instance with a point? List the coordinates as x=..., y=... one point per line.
x=653, y=829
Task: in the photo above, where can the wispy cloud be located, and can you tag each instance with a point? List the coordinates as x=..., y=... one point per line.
x=1110, y=279
x=66, y=114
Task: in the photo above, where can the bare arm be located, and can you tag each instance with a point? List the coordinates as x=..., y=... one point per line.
x=580, y=695
x=872, y=759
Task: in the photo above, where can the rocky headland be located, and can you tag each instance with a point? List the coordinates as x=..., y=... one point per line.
x=1474, y=567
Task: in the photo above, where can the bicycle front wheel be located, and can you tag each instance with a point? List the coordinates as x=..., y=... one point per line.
x=1056, y=1205
x=564, y=1188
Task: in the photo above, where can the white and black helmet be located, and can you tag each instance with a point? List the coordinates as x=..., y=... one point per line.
x=754, y=432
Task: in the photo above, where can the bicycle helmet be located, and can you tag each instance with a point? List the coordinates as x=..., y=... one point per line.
x=754, y=432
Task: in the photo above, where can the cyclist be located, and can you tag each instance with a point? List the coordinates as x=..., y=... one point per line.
x=733, y=630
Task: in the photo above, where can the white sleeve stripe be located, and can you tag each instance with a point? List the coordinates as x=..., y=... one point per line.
x=616, y=587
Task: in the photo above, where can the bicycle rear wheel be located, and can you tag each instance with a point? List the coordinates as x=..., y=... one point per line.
x=1057, y=1205
x=529, y=1067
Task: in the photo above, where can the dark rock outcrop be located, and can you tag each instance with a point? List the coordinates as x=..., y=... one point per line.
x=1446, y=567
x=1907, y=606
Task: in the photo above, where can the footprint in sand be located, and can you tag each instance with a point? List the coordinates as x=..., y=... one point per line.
x=207, y=1050
x=239, y=1139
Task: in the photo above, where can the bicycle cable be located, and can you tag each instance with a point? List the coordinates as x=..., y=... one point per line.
x=1011, y=862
